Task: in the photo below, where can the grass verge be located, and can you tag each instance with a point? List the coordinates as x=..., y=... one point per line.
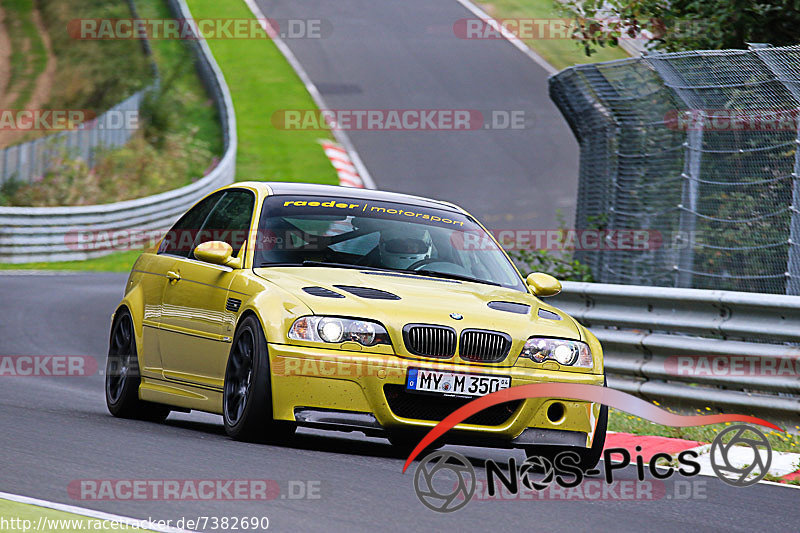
x=262, y=83
x=115, y=262
x=182, y=89
x=24, y=517
x=92, y=74
x=28, y=56
x=622, y=422
x=561, y=53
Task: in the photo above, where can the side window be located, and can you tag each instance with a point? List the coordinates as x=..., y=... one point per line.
x=229, y=221
x=179, y=239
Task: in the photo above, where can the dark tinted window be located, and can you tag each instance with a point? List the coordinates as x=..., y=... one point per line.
x=180, y=239
x=294, y=230
x=229, y=221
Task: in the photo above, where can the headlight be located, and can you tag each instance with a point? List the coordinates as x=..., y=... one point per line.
x=330, y=329
x=564, y=352
x=333, y=329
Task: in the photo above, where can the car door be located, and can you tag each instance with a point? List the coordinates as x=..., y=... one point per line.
x=196, y=329
x=155, y=270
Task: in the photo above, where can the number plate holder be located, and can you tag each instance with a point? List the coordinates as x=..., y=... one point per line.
x=455, y=384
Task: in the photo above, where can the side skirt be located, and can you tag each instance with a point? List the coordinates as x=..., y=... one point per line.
x=181, y=395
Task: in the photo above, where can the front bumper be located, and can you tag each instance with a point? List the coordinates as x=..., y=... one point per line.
x=308, y=381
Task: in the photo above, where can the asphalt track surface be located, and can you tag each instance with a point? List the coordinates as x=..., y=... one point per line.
x=54, y=430
x=404, y=54
x=380, y=55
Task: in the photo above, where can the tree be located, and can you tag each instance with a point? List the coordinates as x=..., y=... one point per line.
x=686, y=24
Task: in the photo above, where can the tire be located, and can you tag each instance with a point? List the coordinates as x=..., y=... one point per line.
x=591, y=456
x=122, y=375
x=247, y=394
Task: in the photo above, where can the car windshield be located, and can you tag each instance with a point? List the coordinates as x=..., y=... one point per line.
x=357, y=233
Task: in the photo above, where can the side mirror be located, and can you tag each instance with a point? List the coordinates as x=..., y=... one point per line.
x=543, y=284
x=217, y=253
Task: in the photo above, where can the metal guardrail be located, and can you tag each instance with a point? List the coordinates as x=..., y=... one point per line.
x=692, y=348
x=29, y=234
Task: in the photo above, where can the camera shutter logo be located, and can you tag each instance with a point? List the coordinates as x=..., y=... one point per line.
x=537, y=464
x=722, y=455
x=445, y=481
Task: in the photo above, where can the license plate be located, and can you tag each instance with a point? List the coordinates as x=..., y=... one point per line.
x=455, y=383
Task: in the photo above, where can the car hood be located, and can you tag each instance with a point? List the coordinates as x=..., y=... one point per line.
x=420, y=299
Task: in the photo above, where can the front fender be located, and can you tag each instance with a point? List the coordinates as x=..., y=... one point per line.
x=275, y=307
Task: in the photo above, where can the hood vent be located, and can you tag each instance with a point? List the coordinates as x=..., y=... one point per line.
x=510, y=307
x=367, y=292
x=322, y=292
x=549, y=315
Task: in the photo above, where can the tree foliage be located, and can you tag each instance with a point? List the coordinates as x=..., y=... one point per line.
x=686, y=24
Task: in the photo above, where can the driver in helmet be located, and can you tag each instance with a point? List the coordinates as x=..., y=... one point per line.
x=401, y=249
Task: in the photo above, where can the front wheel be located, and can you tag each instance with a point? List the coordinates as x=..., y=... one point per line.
x=122, y=375
x=247, y=395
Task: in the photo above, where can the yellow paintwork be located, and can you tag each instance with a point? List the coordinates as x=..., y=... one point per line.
x=543, y=284
x=217, y=253
x=183, y=333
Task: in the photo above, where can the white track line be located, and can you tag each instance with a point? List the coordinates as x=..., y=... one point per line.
x=340, y=135
x=88, y=513
x=513, y=39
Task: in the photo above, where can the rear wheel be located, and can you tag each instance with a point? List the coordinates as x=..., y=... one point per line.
x=122, y=375
x=247, y=395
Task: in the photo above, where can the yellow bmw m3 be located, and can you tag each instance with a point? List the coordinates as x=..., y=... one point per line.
x=278, y=305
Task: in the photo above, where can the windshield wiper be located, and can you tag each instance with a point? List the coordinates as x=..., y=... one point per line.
x=334, y=265
x=329, y=264
x=431, y=273
x=447, y=275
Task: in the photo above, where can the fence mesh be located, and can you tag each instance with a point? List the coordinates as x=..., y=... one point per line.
x=700, y=149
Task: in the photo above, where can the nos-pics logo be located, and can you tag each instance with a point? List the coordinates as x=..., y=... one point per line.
x=446, y=481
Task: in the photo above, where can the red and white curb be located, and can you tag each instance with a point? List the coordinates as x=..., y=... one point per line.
x=784, y=464
x=340, y=159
